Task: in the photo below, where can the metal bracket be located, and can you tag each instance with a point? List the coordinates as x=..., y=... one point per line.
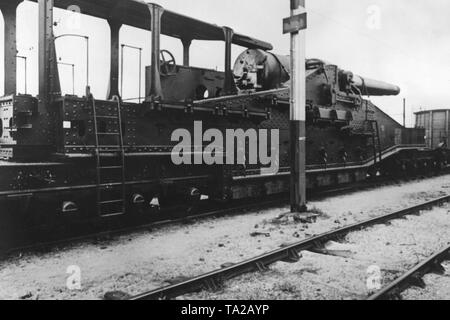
x=210, y=284
x=261, y=266
x=189, y=107
x=292, y=257
x=268, y=114
x=417, y=281
x=394, y=295
x=222, y=111
x=295, y=23
x=319, y=248
x=275, y=101
x=437, y=268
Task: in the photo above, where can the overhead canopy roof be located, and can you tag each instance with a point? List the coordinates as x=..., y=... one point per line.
x=136, y=13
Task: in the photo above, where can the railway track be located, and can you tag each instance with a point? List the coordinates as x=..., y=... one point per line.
x=413, y=277
x=289, y=254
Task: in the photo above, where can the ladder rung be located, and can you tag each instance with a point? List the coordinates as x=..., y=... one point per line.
x=110, y=185
x=109, y=149
x=108, y=153
x=111, y=167
x=112, y=214
x=111, y=201
x=108, y=133
x=107, y=117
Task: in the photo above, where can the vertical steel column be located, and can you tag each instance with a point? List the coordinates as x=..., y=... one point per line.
x=113, y=89
x=186, y=53
x=156, y=13
x=298, y=113
x=229, y=82
x=9, y=10
x=46, y=48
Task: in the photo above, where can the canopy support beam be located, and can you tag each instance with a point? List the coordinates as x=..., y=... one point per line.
x=113, y=89
x=156, y=13
x=229, y=81
x=186, y=51
x=9, y=11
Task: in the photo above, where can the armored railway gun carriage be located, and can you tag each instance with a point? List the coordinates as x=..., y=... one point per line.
x=82, y=159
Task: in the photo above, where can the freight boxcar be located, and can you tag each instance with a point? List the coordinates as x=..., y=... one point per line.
x=436, y=124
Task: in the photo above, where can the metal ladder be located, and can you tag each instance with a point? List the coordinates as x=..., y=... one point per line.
x=377, y=151
x=110, y=162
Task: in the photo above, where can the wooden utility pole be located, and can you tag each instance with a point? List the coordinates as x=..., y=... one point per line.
x=296, y=25
x=404, y=112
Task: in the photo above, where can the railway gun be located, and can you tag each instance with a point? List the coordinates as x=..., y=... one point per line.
x=70, y=159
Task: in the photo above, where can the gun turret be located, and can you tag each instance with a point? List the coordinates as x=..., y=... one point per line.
x=261, y=70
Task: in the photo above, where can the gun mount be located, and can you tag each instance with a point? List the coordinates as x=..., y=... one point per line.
x=261, y=70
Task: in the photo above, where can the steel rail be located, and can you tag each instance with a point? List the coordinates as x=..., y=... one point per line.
x=288, y=253
x=413, y=277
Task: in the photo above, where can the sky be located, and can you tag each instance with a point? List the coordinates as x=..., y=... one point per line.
x=403, y=42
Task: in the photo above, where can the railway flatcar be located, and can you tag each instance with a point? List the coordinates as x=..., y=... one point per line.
x=70, y=159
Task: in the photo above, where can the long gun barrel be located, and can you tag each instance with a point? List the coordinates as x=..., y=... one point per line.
x=370, y=87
